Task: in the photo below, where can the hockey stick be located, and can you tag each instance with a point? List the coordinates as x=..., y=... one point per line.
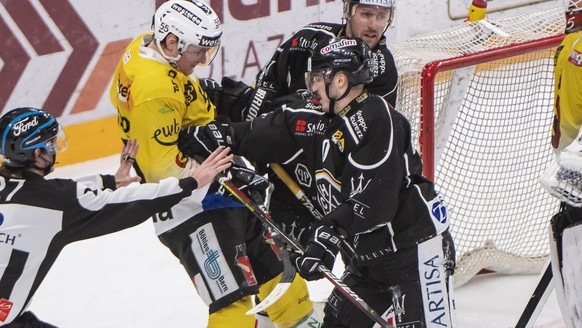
x=284, y=283
x=337, y=282
x=300, y=195
x=288, y=275
x=538, y=299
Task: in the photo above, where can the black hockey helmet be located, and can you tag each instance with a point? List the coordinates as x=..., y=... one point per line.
x=348, y=54
x=25, y=129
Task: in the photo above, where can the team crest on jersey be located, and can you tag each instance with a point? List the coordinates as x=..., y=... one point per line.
x=328, y=190
x=189, y=93
x=575, y=58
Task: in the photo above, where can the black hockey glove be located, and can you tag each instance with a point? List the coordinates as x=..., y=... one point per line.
x=294, y=97
x=322, y=248
x=248, y=179
x=212, y=88
x=233, y=99
x=204, y=139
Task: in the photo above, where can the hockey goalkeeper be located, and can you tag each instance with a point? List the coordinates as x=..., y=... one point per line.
x=564, y=178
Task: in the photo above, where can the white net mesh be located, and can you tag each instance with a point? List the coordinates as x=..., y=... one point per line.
x=492, y=122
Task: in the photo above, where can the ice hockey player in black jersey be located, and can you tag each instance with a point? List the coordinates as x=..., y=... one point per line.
x=39, y=217
x=284, y=75
x=368, y=179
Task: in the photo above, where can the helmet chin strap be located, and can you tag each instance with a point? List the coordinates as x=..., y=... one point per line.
x=333, y=100
x=171, y=60
x=50, y=164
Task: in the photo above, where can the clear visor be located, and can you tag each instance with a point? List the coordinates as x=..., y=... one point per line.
x=57, y=143
x=208, y=53
x=203, y=55
x=315, y=77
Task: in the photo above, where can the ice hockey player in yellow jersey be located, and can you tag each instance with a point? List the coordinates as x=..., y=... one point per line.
x=227, y=253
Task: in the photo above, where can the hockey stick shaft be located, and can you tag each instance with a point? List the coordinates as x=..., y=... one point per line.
x=303, y=199
x=337, y=282
x=537, y=299
x=296, y=190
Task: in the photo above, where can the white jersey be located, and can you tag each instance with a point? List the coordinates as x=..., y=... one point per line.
x=39, y=217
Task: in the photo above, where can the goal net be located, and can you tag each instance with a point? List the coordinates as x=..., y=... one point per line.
x=479, y=98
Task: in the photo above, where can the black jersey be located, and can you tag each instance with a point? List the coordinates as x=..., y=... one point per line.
x=363, y=167
x=285, y=73
x=38, y=217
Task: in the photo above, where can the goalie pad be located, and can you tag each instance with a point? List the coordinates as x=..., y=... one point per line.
x=565, y=249
x=563, y=179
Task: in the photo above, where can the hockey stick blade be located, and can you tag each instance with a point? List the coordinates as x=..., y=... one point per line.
x=286, y=280
x=273, y=297
x=337, y=282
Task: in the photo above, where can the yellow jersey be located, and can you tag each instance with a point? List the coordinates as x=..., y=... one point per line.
x=154, y=101
x=567, y=91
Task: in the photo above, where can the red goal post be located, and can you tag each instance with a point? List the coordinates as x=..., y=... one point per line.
x=479, y=98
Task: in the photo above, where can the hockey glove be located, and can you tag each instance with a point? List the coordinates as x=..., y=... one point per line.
x=248, y=179
x=212, y=88
x=322, y=248
x=233, y=99
x=204, y=139
x=563, y=179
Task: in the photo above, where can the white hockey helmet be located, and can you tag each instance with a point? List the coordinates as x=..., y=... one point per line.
x=350, y=5
x=573, y=15
x=193, y=22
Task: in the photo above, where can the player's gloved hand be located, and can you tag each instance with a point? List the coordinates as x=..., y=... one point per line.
x=234, y=99
x=563, y=179
x=322, y=248
x=248, y=179
x=204, y=139
x=294, y=97
x=212, y=88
